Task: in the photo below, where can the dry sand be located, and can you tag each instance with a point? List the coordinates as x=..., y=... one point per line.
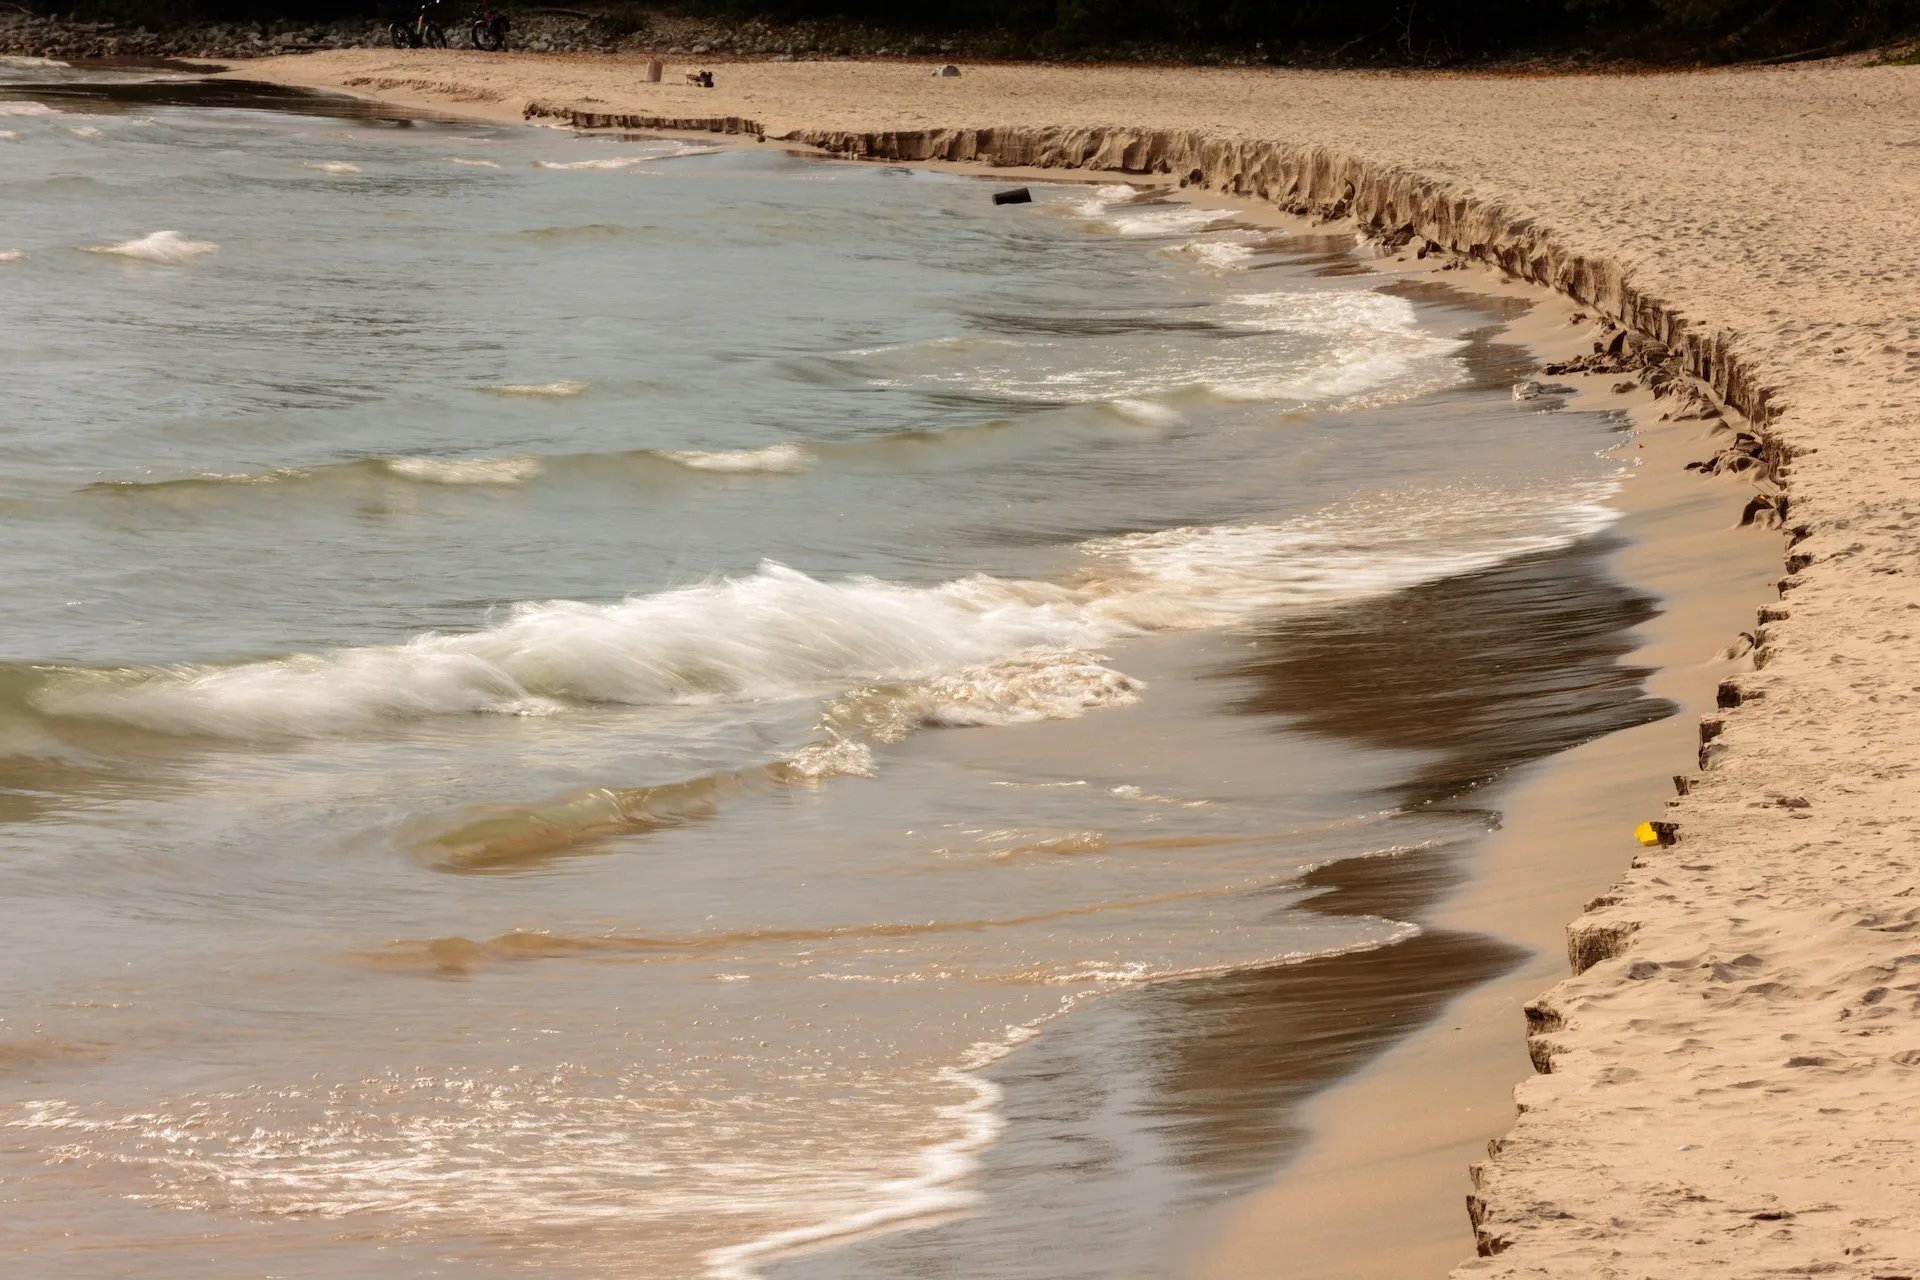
x=1733, y=1076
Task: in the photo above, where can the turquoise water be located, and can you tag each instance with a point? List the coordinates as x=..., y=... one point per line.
x=563, y=701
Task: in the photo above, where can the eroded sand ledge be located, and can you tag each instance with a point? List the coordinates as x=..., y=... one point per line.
x=1729, y=1080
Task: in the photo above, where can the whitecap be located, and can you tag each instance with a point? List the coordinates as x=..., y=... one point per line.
x=331, y=166
x=776, y=633
x=1147, y=413
x=566, y=387
x=1106, y=197
x=1028, y=688
x=83, y=131
x=1126, y=211
x=1221, y=255
x=12, y=255
x=169, y=248
x=1218, y=575
x=777, y=459
x=23, y=60
x=1376, y=341
x=9, y=135
x=973, y=651
x=831, y=758
x=611, y=162
x=475, y=164
x=26, y=109
x=467, y=470
x=1353, y=343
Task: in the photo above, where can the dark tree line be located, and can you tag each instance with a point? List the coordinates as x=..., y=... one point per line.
x=1454, y=30
x=1408, y=32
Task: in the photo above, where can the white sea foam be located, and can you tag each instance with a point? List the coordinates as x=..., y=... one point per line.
x=9, y=135
x=772, y=634
x=567, y=387
x=1127, y=791
x=608, y=162
x=832, y=757
x=682, y=149
x=1053, y=685
x=782, y=459
x=1123, y=210
x=12, y=255
x=332, y=166
x=474, y=164
x=26, y=109
x=467, y=470
x=22, y=60
x=1217, y=575
x=83, y=131
x=1145, y=412
x=977, y=650
x=1168, y=220
x=1387, y=933
x=1331, y=346
x=1221, y=255
x=934, y=1190
x=167, y=247
x=560, y=1152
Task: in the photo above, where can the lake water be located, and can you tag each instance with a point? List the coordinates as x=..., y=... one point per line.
x=610, y=706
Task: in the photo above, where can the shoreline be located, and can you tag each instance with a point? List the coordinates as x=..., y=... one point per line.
x=1582, y=1179
x=1401, y=1132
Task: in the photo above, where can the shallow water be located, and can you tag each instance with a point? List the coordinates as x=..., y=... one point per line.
x=611, y=706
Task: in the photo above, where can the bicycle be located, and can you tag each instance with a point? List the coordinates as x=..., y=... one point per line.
x=423, y=31
x=490, y=29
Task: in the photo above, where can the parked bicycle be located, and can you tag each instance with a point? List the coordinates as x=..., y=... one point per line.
x=422, y=32
x=490, y=29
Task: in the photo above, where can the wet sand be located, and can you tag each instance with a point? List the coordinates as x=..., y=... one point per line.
x=1731, y=1074
x=1379, y=1190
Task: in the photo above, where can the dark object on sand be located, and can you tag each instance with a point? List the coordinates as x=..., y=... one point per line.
x=421, y=32
x=702, y=78
x=1019, y=195
x=490, y=27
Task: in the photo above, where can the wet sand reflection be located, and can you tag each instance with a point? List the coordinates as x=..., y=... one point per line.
x=1159, y=1100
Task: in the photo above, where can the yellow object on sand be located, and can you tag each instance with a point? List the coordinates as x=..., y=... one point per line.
x=1646, y=835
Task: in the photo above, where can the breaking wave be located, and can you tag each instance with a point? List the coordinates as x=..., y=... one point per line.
x=607, y=162
x=1221, y=255
x=977, y=650
x=169, y=248
x=1126, y=211
x=781, y=459
x=566, y=387
x=467, y=470
x=1325, y=346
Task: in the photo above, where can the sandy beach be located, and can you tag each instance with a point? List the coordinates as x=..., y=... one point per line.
x=1724, y=1087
